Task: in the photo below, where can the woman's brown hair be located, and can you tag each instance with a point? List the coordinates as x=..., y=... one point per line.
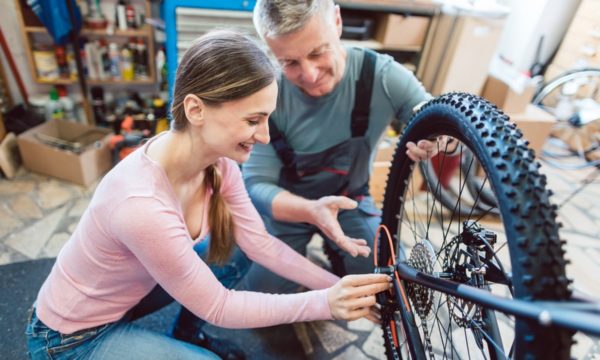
x=220, y=66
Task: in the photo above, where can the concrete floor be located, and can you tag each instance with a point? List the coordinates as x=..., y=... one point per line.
x=38, y=214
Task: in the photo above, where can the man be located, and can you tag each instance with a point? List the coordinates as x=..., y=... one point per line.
x=313, y=177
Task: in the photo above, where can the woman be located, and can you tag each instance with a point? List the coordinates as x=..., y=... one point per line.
x=152, y=208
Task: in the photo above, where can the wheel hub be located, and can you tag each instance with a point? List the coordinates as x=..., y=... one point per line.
x=463, y=261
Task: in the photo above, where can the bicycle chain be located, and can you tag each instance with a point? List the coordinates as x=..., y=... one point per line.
x=386, y=317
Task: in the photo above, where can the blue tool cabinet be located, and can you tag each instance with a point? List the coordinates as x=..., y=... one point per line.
x=187, y=19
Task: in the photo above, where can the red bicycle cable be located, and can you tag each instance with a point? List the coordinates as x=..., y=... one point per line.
x=392, y=259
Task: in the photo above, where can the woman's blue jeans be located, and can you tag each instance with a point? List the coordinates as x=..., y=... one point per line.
x=124, y=340
x=118, y=340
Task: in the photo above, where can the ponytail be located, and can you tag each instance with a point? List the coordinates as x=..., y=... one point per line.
x=221, y=224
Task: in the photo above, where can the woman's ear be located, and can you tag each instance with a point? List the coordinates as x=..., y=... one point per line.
x=194, y=109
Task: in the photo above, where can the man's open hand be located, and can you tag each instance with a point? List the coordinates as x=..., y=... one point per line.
x=325, y=217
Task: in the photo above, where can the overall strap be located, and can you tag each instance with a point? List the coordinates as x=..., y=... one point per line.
x=362, y=98
x=282, y=148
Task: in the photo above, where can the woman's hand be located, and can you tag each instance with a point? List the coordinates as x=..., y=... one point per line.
x=325, y=216
x=353, y=297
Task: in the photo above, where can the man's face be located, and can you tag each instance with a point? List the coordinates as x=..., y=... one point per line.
x=313, y=57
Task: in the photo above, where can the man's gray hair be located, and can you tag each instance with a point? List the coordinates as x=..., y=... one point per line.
x=280, y=17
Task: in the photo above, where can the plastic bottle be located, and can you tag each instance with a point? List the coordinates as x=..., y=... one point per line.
x=160, y=62
x=160, y=115
x=54, y=110
x=121, y=18
x=61, y=60
x=84, y=58
x=66, y=103
x=72, y=63
x=113, y=54
x=141, y=61
x=130, y=16
x=127, y=71
x=104, y=64
x=135, y=55
x=98, y=105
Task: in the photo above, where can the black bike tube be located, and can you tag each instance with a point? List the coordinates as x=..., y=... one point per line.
x=586, y=322
x=409, y=324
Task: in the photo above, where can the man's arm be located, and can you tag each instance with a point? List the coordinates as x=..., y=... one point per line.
x=408, y=95
x=261, y=177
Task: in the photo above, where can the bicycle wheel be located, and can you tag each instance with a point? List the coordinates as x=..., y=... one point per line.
x=519, y=256
x=566, y=95
x=574, y=99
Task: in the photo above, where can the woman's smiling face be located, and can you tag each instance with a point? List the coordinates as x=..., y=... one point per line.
x=232, y=128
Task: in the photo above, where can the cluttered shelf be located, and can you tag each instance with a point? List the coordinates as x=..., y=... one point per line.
x=113, y=51
x=415, y=7
x=144, y=31
x=95, y=82
x=402, y=29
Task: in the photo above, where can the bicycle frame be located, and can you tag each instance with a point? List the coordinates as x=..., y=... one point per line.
x=570, y=315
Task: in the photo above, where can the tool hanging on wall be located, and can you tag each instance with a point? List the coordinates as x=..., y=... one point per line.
x=74, y=39
x=13, y=68
x=5, y=97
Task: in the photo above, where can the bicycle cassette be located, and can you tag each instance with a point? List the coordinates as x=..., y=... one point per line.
x=422, y=258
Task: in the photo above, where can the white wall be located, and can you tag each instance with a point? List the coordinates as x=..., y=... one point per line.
x=527, y=22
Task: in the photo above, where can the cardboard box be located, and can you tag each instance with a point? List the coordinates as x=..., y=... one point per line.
x=395, y=30
x=535, y=124
x=88, y=159
x=378, y=180
x=379, y=177
x=381, y=168
x=505, y=97
x=460, y=54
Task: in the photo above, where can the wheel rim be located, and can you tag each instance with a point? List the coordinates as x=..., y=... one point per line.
x=573, y=86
